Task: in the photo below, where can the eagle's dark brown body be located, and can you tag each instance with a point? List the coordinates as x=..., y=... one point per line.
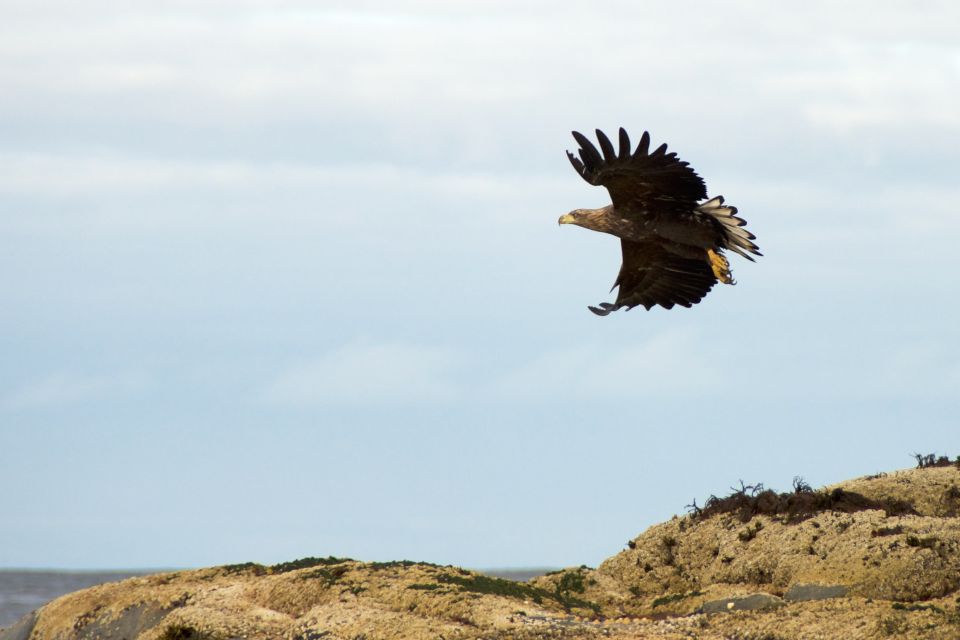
x=672, y=243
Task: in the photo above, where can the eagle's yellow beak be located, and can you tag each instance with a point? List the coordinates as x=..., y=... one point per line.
x=566, y=218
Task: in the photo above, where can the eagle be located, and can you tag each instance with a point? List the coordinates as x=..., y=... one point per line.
x=672, y=238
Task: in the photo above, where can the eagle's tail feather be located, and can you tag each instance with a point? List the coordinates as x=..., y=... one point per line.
x=738, y=238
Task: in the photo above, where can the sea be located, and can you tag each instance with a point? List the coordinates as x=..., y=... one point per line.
x=23, y=591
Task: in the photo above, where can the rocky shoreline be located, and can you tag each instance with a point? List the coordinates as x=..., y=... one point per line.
x=873, y=557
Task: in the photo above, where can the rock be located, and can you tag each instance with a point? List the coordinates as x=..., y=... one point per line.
x=805, y=592
x=131, y=622
x=903, y=573
x=752, y=602
x=902, y=557
x=21, y=629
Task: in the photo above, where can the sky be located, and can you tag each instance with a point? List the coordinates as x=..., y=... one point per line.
x=284, y=279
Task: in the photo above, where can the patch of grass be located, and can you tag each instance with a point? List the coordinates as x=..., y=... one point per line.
x=571, y=581
x=899, y=606
x=893, y=625
x=246, y=567
x=328, y=575
x=929, y=542
x=399, y=564
x=669, y=543
x=510, y=589
x=306, y=563
x=313, y=635
x=185, y=632
x=953, y=617
x=430, y=586
x=886, y=531
x=495, y=586
x=950, y=502
x=284, y=567
x=675, y=597
x=750, y=533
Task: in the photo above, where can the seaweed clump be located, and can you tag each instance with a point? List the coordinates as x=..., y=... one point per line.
x=794, y=506
x=930, y=460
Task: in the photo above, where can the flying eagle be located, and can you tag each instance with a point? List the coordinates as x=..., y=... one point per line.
x=672, y=242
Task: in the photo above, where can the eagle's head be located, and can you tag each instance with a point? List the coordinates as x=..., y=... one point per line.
x=594, y=219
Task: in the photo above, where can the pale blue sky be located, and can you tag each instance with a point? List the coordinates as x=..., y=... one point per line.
x=281, y=280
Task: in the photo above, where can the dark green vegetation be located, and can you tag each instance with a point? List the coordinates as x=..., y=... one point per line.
x=900, y=623
x=950, y=502
x=283, y=567
x=886, y=531
x=899, y=606
x=305, y=563
x=795, y=506
x=570, y=583
x=925, y=543
x=668, y=545
x=675, y=597
x=751, y=532
x=185, y=632
x=327, y=575
x=398, y=564
x=246, y=567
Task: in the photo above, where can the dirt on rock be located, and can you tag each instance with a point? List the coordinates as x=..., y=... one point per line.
x=873, y=557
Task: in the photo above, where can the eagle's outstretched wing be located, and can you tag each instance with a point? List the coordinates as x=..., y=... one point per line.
x=638, y=181
x=652, y=275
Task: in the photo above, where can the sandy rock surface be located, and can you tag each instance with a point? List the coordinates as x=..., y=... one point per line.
x=829, y=574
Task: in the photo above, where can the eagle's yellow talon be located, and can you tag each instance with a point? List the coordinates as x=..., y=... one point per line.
x=720, y=266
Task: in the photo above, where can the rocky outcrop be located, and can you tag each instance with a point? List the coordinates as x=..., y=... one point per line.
x=869, y=552
x=848, y=566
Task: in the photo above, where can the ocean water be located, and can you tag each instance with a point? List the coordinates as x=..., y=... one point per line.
x=23, y=591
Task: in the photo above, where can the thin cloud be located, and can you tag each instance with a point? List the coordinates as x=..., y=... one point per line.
x=368, y=374
x=62, y=388
x=40, y=174
x=669, y=363
x=388, y=374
